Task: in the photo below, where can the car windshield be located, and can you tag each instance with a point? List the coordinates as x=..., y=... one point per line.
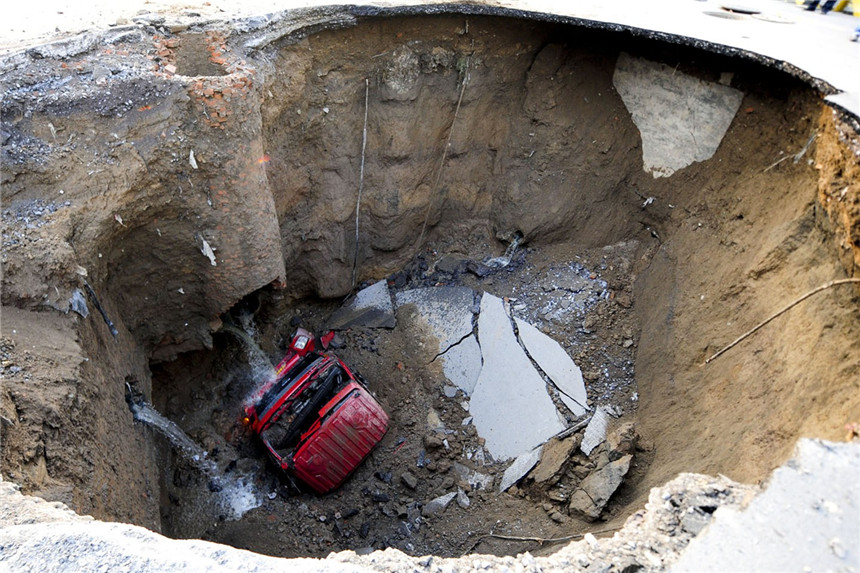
x=296, y=416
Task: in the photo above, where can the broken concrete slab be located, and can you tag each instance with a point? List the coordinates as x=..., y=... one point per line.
x=595, y=432
x=463, y=499
x=438, y=504
x=555, y=453
x=371, y=308
x=555, y=362
x=806, y=519
x=462, y=364
x=595, y=490
x=682, y=119
x=510, y=405
x=519, y=468
x=447, y=310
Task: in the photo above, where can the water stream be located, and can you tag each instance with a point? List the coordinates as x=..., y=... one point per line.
x=261, y=366
x=233, y=493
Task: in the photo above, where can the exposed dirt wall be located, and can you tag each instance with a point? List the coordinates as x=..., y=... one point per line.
x=121, y=170
x=540, y=142
x=67, y=435
x=740, y=246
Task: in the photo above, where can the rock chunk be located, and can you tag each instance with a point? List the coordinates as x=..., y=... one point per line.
x=555, y=453
x=621, y=441
x=409, y=480
x=438, y=505
x=595, y=490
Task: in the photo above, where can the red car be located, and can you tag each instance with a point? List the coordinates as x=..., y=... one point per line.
x=316, y=417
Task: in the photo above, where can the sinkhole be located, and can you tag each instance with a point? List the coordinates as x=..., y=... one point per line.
x=638, y=203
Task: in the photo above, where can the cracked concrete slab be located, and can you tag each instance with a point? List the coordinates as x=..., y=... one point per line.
x=682, y=119
x=555, y=362
x=371, y=308
x=448, y=311
x=462, y=364
x=509, y=390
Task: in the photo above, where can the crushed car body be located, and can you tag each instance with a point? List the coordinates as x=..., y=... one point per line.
x=316, y=417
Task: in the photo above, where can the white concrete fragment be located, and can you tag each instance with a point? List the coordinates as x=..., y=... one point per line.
x=682, y=119
x=448, y=313
x=555, y=362
x=806, y=519
x=438, y=504
x=371, y=308
x=462, y=364
x=463, y=499
x=519, y=468
x=595, y=432
x=475, y=479
x=511, y=408
x=208, y=252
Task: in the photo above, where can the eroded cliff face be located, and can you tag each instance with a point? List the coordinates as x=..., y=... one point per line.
x=175, y=173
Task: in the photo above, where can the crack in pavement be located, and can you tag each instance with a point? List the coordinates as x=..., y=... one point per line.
x=536, y=366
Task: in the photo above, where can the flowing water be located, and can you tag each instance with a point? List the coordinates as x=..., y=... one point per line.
x=233, y=494
x=261, y=366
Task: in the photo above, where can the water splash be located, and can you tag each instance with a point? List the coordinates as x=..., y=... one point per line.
x=234, y=494
x=505, y=260
x=261, y=367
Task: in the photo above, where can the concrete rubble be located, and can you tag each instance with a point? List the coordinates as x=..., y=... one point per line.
x=371, y=308
x=493, y=370
x=519, y=468
x=438, y=505
x=682, y=119
x=595, y=432
x=807, y=519
x=686, y=525
x=475, y=479
x=595, y=490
